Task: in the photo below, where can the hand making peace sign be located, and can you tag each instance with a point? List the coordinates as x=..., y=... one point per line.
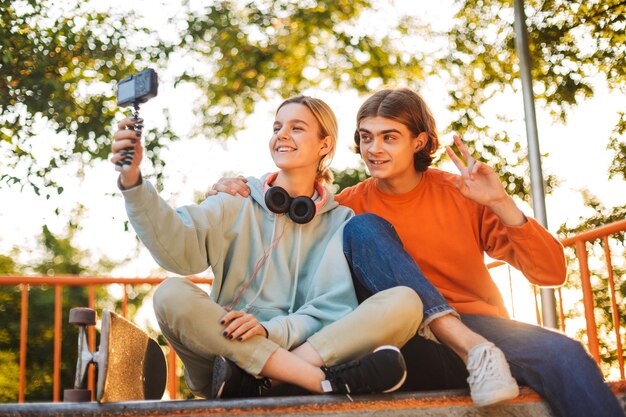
x=479, y=182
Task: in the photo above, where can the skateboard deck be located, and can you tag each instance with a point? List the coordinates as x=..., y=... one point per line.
x=130, y=365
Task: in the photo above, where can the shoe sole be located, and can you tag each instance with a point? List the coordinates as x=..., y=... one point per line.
x=404, y=375
x=221, y=372
x=497, y=397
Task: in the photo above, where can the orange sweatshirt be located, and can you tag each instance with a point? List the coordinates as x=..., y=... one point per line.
x=447, y=235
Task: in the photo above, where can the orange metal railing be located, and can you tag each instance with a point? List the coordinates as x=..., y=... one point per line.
x=91, y=282
x=577, y=242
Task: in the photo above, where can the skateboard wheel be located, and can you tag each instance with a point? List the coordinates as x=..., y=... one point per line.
x=77, y=395
x=82, y=316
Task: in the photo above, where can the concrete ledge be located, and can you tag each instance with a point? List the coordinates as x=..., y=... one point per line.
x=430, y=404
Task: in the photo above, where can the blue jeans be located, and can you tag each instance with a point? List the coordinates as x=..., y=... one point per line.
x=384, y=264
x=555, y=366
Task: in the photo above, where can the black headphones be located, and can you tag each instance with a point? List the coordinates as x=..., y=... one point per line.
x=301, y=209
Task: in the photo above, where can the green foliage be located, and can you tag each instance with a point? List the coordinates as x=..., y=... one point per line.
x=618, y=145
x=57, y=72
x=9, y=376
x=59, y=69
x=349, y=177
x=8, y=266
x=259, y=49
x=602, y=217
x=569, y=42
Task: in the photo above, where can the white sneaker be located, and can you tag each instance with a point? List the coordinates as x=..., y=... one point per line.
x=490, y=379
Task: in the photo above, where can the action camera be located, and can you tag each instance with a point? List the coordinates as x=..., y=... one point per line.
x=137, y=88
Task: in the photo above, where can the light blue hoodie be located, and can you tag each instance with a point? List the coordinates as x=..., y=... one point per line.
x=303, y=285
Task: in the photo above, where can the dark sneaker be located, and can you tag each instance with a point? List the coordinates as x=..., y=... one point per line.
x=230, y=381
x=383, y=370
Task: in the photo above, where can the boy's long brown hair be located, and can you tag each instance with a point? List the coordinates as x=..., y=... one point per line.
x=410, y=109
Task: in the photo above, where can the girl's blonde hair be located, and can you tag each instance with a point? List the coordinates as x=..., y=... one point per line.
x=328, y=127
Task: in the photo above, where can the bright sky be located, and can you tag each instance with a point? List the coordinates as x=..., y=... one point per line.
x=577, y=154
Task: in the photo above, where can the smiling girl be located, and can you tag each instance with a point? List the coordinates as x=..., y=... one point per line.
x=282, y=303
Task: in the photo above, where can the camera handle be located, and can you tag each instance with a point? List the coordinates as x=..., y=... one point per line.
x=129, y=152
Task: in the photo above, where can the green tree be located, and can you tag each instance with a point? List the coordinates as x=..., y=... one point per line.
x=617, y=144
x=259, y=49
x=349, y=177
x=9, y=357
x=571, y=41
x=57, y=72
x=60, y=71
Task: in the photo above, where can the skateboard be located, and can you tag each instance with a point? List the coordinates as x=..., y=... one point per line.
x=130, y=365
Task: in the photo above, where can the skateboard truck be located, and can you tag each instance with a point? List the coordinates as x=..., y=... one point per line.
x=82, y=317
x=130, y=365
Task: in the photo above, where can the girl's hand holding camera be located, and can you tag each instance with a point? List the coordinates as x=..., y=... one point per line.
x=126, y=137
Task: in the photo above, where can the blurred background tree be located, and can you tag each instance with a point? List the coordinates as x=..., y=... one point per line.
x=256, y=50
x=55, y=64
x=349, y=177
x=570, y=42
x=60, y=68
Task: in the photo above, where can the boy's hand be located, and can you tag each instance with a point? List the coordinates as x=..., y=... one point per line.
x=232, y=186
x=479, y=182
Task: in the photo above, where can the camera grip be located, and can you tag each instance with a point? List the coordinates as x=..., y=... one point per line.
x=128, y=153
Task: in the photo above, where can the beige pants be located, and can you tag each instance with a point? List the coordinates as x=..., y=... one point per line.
x=189, y=320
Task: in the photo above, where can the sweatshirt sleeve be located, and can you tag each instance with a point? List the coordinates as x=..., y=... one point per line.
x=329, y=296
x=529, y=248
x=180, y=240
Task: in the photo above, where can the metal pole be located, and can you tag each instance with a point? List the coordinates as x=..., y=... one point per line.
x=548, y=303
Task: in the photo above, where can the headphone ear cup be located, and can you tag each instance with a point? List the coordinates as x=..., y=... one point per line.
x=277, y=200
x=302, y=210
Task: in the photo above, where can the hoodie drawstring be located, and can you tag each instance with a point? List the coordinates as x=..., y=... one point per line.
x=295, y=281
x=259, y=264
x=267, y=256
